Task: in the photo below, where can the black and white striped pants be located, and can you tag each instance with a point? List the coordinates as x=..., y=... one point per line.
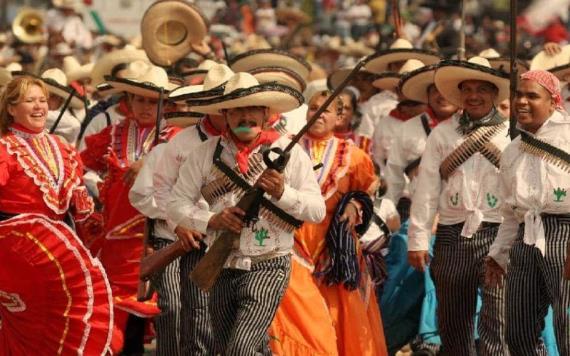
x=196, y=325
x=458, y=272
x=533, y=283
x=243, y=304
x=167, y=286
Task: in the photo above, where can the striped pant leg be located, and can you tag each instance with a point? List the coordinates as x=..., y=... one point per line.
x=258, y=293
x=223, y=307
x=557, y=232
x=455, y=278
x=527, y=300
x=492, y=320
x=196, y=325
x=167, y=286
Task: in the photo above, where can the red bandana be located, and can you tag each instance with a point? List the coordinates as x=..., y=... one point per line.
x=397, y=114
x=244, y=150
x=209, y=127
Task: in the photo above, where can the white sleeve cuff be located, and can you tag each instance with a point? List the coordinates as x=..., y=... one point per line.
x=288, y=198
x=420, y=242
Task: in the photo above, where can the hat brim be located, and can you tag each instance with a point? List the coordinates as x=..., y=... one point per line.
x=338, y=76
x=415, y=84
x=64, y=92
x=561, y=72
x=278, y=98
x=105, y=65
x=378, y=62
x=387, y=81
x=250, y=60
x=191, y=93
x=451, y=73
x=545, y=62
x=279, y=75
x=148, y=90
x=176, y=11
x=191, y=75
x=183, y=118
x=504, y=64
x=80, y=73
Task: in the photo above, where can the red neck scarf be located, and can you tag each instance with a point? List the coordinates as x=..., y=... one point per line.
x=123, y=107
x=245, y=149
x=434, y=121
x=397, y=114
x=25, y=129
x=209, y=127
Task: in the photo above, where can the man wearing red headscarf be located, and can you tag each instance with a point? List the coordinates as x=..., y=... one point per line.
x=536, y=218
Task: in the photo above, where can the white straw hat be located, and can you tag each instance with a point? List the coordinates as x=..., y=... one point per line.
x=390, y=82
x=213, y=85
x=56, y=82
x=142, y=78
x=75, y=71
x=400, y=50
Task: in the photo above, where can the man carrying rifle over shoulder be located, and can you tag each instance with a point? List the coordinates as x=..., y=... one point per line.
x=215, y=176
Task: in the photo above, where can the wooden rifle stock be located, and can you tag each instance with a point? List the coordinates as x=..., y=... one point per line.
x=567, y=264
x=158, y=260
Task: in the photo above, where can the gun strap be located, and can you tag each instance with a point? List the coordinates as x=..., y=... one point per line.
x=478, y=140
x=415, y=163
x=244, y=185
x=376, y=219
x=545, y=151
x=201, y=134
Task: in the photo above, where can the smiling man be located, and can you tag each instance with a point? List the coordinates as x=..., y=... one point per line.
x=536, y=218
x=458, y=181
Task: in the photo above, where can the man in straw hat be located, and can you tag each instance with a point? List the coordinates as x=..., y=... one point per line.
x=458, y=179
x=190, y=327
x=118, y=153
x=246, y=295
x=536, y=218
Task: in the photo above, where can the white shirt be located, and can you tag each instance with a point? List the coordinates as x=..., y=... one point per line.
x=385, y=210
x=296, y=119
x=530, y=186
x=173, y=156
x=68, y=126
x=470, y=195
x=142, y=197
x=385, y=132
x=301, y=198
x=378, y=106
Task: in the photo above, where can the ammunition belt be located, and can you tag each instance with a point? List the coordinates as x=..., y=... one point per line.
x=545, y=151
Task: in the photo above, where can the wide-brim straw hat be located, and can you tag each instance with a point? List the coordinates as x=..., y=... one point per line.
x=213, y=85
x=279, y=75
x=143, y=79
x=75, y=71
x=199, y=72
x=243, y=90
x=502, y=63
x=543, y=61
x=339, y=75
x=561, y=72
x=248, y=61
x=356, y=49
x=169, y=28
x=389, y=81
x=56, y=83
x=400, y=50
x=105, y=90
x=5, y=76
x=105, y=64
x=451, y=73
x=414, y=85
x=183, y=118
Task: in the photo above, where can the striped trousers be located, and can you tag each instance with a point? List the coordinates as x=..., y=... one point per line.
x=243, y=304
x=533, y=283
x=196, y=325
x=458, y=272
x=167, y=286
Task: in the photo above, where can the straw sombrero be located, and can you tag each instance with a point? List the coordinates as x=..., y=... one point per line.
x=248, y=61
x=56, y=82
x=67, y=4
x=199, y=73
x=183, y=118
x=390, y=82
x=5, y=76
x=142, y=78
x=213, y=85
x=400, y=50
x=279, y=75
x=48, y=274
x=75, y=71
x=502, y=63
x=451, y=73
x=561, y=72
x=414, y=85
x=544, y=61
x=243, y=90
x=339, y=75
x=104, y=66
x=169, y=28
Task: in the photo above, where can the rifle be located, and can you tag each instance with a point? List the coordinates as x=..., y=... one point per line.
x=62, y=111
x=210, y=266
x=513, y=132
x=144, y=289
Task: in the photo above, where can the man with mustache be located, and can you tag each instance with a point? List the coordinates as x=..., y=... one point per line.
x=212, y=180
x=458, y=180
x=536, y=218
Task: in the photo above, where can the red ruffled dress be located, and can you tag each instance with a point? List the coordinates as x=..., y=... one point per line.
x=110, y=153
x=54, y=296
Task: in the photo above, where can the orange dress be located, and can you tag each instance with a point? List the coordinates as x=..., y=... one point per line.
x=312, y=314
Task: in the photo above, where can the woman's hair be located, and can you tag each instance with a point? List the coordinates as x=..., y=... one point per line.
x=354, y=95
x=13, y=93
x=326, y=93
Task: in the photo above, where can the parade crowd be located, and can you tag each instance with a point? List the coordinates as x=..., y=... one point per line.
x=285, y=180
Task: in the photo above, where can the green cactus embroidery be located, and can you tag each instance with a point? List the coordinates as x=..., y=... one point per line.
x=454, y=199
x=260, y=236
x=492, y=200
x=560, y=194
